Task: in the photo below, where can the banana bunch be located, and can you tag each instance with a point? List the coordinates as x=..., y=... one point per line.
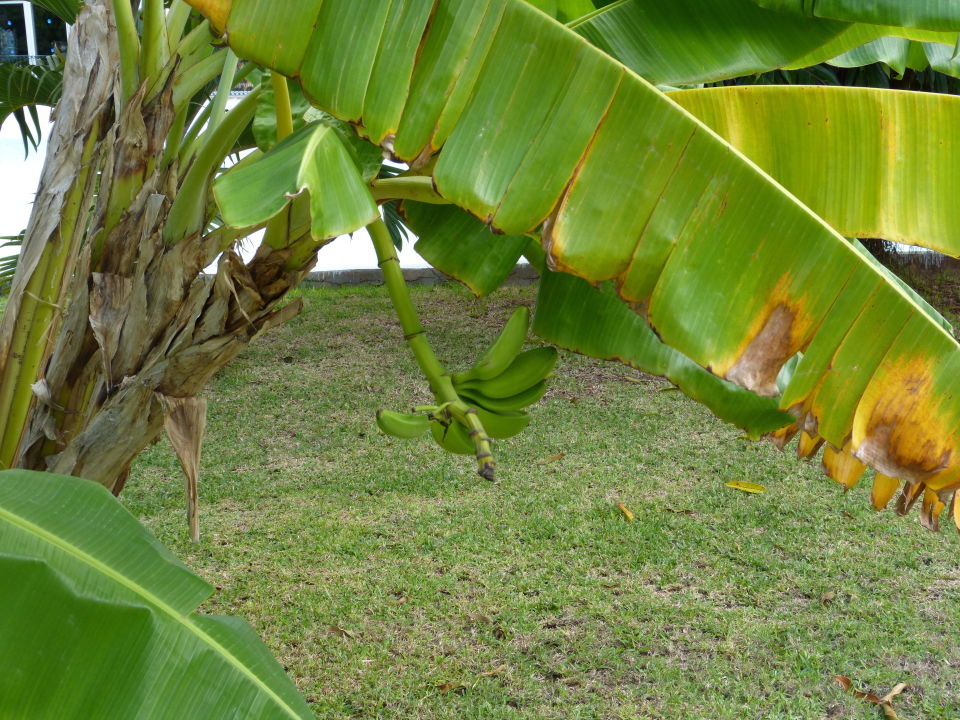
x=491, y=396
x=504, y=380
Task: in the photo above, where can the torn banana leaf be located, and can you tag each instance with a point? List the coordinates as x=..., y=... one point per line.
x=872, y=163
x=533, y=126
x=89, y=593
x=307, y=161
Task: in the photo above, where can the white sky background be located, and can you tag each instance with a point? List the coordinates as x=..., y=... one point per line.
x=18, y=184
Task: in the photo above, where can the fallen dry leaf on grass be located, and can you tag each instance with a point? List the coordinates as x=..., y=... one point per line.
x=451, y=686
x=747, y=487
x=336, y=630
x=552, y=458
x=626, y=513
x=885, y=703
x=495, y=671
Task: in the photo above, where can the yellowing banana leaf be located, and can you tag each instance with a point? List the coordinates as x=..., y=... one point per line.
x=872, y=163
x=533, y=126
x=690, y=41
x=88, y=593
x=305, y=162
x=461, y=246
x=925, y=14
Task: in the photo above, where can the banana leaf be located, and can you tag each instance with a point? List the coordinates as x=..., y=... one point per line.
x=532, y=126
x=872, y=163
x=461, y=246
x=89, y=594
x=689, y=41
x=925, y=14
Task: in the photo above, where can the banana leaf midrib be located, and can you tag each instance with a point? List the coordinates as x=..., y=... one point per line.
x=148, y=597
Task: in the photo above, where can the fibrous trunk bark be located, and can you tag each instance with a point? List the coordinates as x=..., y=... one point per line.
x=128, y=319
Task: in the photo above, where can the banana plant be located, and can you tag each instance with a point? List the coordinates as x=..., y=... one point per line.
x=111, y=325
x=506, y=114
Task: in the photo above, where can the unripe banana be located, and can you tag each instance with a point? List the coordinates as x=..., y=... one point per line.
x=505, y=424
x=525, y=371
x=500, y=405
x=402, y=425
x=502, y=352
x=453, y=438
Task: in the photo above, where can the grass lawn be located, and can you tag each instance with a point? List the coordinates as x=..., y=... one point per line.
x=392, y=582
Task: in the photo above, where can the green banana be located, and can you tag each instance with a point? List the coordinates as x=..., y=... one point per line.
x=402, y=425
x=500, y=405
x=502, y=352
x=503, y=424
x=453, y=438
x=527, y=369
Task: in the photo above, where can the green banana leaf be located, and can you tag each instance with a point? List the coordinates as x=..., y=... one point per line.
x=564, y=10
x=684, y=42
x=532, y=126
x=872, y=163
x=689, y=42
x=892, y=51
x=592, y=321
x=461, y=246
x=926, y=14
x=859, y=34
x=253, y=193
x=89, y=595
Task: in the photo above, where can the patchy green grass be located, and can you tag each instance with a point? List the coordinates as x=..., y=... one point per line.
x=392, y=582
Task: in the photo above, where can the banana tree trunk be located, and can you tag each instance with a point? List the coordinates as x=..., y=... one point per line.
x=107, y=318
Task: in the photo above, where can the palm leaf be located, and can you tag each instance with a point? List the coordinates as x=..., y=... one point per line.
x=23, y=88
x=532, y=126
x=86, y=586
x=66, y=10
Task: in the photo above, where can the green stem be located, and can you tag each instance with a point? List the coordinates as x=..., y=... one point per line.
x=177, y=18
x=39, y=311
x=440, y=383
x=129, y=43
x=278, y=229
x=154, y=51
x=187, y=214
x=283, y=108
x=414, y=187
x=227, y=76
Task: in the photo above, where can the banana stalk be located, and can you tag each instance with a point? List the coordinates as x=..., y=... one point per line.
x=440, y=382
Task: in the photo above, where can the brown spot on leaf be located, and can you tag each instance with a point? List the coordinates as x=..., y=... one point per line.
x=758, y=365
x=897, y=427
